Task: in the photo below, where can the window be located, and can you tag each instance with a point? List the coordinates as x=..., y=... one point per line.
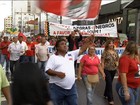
x=131, y=29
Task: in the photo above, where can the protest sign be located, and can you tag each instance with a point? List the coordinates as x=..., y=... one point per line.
x=100, y=30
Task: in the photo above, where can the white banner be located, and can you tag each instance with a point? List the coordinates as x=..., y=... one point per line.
x=98, y=51
x=100, y=30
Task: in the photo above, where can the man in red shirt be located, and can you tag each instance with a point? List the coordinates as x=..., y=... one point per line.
x=4, y=53
x=30, y=55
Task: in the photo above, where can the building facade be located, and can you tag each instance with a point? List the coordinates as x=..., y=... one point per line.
x=125, y=13
x=127, y=16
x=7, y=23
x=132, y=15
x=23, y=12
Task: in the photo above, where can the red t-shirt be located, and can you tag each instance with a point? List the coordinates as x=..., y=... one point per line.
x=130, y=67
x=74, y=46
x=30, y=51
x=34, y=43
x=90, y=65
x=4, y=50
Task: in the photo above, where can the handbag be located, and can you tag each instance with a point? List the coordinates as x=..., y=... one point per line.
x=93, y=78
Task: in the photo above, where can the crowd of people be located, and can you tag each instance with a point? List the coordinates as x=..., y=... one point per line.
x=42, y=79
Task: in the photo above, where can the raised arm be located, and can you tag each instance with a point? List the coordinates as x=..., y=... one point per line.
x=80, y=37
x=86, y=44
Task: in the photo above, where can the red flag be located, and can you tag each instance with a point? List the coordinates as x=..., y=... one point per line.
x=77, y=9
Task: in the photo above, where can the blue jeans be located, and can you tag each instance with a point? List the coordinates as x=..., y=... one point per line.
x=3, y=59
x=22, y=59
x=60, y=96
x=133, y=95
x=90, y=88
x=13, y=65
x=30, y=59
x=41, y=65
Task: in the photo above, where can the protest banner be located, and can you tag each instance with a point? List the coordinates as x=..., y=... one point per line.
x=98, y=51
x=100, y=30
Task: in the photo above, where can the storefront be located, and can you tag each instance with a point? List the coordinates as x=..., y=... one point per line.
x=132, y=9
x=126, y=15
x=112, y=12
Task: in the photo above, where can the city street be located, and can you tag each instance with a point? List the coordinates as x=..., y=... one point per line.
x=98, y=96
x=105, y=32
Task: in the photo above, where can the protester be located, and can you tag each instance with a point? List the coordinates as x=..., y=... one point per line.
x=30, y=56
x=129, y=81
x=124, y=43
x=60, y=67
x=42, y=53
x=5, y=87
x=109, y=61
x=15, y=49
x=25, y=48
x=35, y=43
x=89, y=65
x=4, y=53
x=53, y=41
x=74, y=40
x=65, y=40
x=30, y=86
x=38, y=40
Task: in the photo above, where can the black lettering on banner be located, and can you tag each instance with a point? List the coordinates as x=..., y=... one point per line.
x=82, y=28
x=102, y=26
x=96, y=31
x=90, y=31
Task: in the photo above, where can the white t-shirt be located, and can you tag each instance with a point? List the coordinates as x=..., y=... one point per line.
x=47, y=43
x=15, y=51
x=24, y=46
x=42, y=51
x=65, y=65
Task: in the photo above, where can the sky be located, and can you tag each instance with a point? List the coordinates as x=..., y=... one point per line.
x=5, y=9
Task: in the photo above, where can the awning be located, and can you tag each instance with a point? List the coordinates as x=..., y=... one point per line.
x=133, y=4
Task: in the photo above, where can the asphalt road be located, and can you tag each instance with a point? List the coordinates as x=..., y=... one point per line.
x=98, y=98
